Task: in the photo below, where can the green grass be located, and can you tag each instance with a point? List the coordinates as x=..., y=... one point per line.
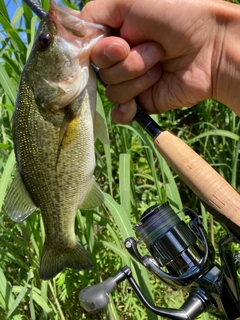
x=132, y=175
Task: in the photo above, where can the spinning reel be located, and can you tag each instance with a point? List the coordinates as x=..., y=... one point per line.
x=181, y=256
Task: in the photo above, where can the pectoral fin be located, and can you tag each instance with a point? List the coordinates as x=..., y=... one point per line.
x=69, y=127
x=100, y=129
x=18, y=203
x=94, y=197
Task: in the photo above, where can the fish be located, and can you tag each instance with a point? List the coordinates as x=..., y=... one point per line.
x=55, y=125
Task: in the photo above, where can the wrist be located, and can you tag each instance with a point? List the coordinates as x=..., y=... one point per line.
x=226, y=56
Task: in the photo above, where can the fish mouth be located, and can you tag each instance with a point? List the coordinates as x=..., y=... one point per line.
x=75, y=38
x=71, y=21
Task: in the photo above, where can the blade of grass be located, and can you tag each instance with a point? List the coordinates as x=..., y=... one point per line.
x=217, y=132
x=107, y=148
x=16, y=17
x=120, y=217
x=112, y=309
x=21, y=295
x=8, y=87
x=6, y=291
x=32, y=35
x=124, y=182
x=16, y=41
x=235, y=162
x=101, y=221
x=6, y=177
x=31, y=304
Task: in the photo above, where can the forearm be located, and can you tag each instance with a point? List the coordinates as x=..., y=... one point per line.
x=226, y=56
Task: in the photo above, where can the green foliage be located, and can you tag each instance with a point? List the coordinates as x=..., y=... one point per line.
x=133, y=176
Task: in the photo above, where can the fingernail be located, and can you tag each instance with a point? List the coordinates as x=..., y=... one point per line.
x=126, y=107
x=154, y=72
x=115, y=51
x=151, y=55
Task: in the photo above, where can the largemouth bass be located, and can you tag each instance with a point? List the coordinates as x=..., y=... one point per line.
x=54, y=129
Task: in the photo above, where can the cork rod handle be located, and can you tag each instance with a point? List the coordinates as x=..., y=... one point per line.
x=201, y=178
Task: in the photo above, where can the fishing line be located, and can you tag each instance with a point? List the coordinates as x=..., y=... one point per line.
x=36, y=8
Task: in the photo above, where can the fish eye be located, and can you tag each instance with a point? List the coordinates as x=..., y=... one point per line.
x=44, y=40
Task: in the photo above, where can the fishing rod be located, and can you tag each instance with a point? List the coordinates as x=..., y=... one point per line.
x=216, y=194
x=36, y=8
x=184, y=251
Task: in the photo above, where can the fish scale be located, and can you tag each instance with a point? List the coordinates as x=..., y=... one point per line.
x=48, y=173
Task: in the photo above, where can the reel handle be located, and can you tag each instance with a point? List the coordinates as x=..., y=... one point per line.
x=95, y=298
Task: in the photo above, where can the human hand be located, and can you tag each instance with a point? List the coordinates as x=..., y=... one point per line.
x=184, y=44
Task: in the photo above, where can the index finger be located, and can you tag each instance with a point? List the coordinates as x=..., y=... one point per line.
x=105, y=12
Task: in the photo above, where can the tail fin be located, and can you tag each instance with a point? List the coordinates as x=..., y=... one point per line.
x=55, y=260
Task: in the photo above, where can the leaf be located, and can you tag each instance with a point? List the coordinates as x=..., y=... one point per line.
x=41, y=302
x=6, y=176
x=235, y=165
x=5, y=290
x=21, y=295
x=124, y=181
x=17, y=16
x=3, y=10
x=112, y=309
x=12, y=63
x=120, y=217
x=45, y=5
x=32, y=38
x=116, y=250
x=220, y=133
x=31, y=305
x=28, y=14
x=107, y=147
x=8, y=87
x=15, y=39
